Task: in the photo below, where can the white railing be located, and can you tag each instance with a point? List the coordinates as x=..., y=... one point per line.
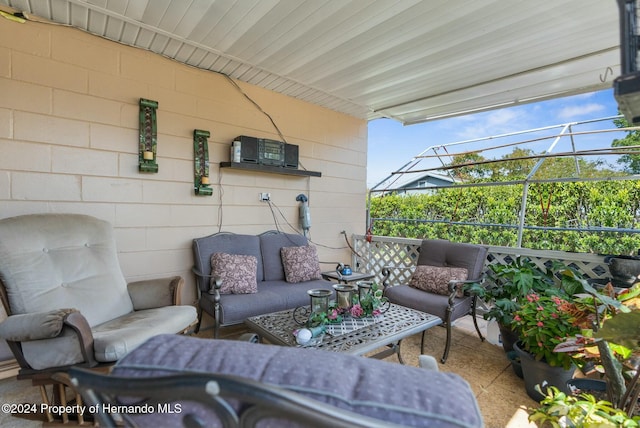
x=403, y=252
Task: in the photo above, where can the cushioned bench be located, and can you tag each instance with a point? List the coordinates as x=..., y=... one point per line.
x=385, y=391
x=267, y=286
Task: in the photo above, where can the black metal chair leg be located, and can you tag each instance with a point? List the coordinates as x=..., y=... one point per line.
x=448, y=345
x=197, y=330
x=397, y=346
x=447, y=322
x=475, y=320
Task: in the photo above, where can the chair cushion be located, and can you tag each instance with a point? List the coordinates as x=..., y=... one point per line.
x=238, y=273
x=435, y=304
x=300, y=263
x=57, y=261
x=440, y=252
x=116, y=338
x=64, y=350
x=435, y=279
x=408, y=396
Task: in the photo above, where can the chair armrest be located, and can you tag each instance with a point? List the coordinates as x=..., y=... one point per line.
x=46, y=325
x=80, y=325
x=217, y=283
x=455, y=284
x=386, y=272
x=34, y=326
x=155, y=293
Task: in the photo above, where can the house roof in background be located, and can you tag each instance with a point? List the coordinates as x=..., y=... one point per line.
x=409, y=60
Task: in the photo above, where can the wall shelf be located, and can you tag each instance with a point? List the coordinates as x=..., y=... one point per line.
x=270, y=169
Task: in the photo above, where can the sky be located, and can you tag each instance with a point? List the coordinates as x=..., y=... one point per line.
x=391, y=144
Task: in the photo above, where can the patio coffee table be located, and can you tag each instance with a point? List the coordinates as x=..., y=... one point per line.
x=352, y=336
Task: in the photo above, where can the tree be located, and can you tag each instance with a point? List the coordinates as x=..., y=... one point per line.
x=630, y=162
x=470, y=172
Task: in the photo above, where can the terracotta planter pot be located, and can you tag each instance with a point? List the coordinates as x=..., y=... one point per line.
x=540, y=373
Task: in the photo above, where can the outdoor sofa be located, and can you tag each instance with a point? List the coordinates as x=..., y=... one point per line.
x=240, y=276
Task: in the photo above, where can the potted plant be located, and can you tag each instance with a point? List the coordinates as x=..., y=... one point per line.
x=508, y=284
x=610, y=337
x=558, y=409
x=543, y=322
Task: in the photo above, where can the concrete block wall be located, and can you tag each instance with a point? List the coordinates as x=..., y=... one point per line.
x=69, y=138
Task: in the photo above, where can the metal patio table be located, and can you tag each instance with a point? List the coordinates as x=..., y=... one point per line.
x=352, y=336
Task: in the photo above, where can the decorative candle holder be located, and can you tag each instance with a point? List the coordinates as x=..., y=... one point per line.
x=319, y=300
x=364, y=291
x=201, y=183
x=148, y=142
x=344, y=296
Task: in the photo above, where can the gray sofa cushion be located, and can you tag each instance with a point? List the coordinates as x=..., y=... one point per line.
x=231, y=243
x=271, y=245
x=391, y=392
x=272, y=296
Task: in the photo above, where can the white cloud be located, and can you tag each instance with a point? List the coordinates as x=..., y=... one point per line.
x=493, y=123
x=575, y=111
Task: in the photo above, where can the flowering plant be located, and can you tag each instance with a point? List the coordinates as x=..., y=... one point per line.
x=543, y=322
x=371, y=303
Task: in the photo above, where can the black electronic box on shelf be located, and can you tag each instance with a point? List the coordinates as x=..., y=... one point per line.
x=263, y=151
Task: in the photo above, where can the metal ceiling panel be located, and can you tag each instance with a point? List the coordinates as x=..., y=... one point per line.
x=411, y=60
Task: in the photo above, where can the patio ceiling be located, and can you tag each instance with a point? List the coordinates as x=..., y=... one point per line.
x=409, y=60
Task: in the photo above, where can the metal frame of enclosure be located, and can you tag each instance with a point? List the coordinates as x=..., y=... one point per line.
x=443, y=153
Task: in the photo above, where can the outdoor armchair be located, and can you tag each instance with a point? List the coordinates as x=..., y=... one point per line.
x=67, y=300
x=436, y=284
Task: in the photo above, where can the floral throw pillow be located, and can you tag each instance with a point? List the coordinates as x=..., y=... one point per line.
x=300, y=263
x=435, y=279
x=238, y=273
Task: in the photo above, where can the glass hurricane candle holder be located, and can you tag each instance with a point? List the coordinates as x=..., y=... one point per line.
x=344, y=296
x=319, y=300
x=364, y=291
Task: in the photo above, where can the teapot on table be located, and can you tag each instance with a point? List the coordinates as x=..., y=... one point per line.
x=344, y=269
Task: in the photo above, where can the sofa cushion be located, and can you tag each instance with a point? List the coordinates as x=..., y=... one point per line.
x=404, y=395
x=272, y=296
x=116, y=338
x=270, y=244
x=238, y=273
x=230, y=243
x=435, y=279
x=300, y=263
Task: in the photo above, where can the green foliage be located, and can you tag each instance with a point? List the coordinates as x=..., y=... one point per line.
x=509, y=284
x=630, y=162
x=558, y=409
x=451, y=213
